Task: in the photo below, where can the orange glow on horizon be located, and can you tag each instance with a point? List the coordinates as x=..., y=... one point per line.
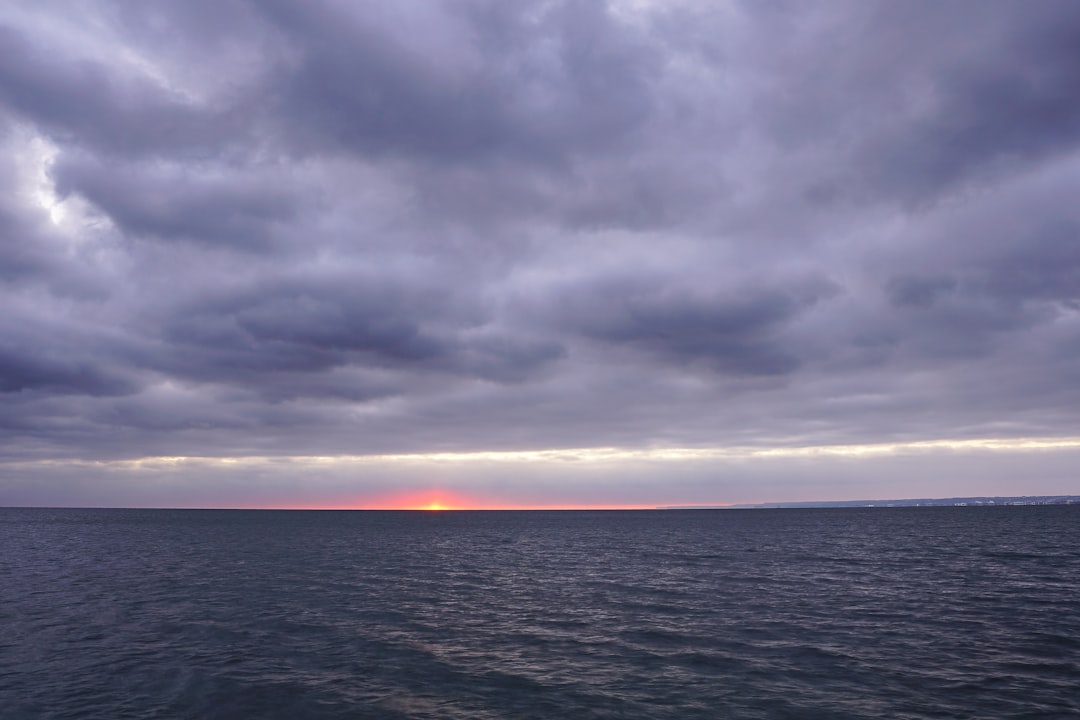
x=436, y=500
x=443, y=500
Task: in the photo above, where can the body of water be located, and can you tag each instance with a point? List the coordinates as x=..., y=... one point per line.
x=825, y=613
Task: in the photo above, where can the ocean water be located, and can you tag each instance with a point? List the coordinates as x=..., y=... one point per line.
x=824, y=613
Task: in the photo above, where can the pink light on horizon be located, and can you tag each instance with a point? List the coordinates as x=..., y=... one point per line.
x=441, y=499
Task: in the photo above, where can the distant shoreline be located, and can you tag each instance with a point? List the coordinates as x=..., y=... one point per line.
x=919, y=502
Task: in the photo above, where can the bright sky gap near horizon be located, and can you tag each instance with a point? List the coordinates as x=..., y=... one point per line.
x=537, y=254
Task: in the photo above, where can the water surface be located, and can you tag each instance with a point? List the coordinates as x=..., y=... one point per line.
x=822, y=613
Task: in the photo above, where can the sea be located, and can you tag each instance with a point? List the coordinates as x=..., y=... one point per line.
x=943, y=612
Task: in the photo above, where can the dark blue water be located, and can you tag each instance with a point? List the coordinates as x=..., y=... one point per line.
x=851, y=613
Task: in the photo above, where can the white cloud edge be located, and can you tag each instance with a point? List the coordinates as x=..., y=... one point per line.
x=582, y=455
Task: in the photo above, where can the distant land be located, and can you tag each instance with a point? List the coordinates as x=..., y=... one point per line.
x=918, y=502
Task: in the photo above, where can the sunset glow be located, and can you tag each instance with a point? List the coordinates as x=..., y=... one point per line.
x=442, y=501
x=427, y=499
x=572, y=478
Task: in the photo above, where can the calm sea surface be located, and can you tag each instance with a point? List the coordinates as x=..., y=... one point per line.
x=848, y=613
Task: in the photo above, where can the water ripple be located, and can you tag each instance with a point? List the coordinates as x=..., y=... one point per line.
x=900, y=613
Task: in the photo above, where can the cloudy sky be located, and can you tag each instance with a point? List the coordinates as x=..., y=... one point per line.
x=537, y=253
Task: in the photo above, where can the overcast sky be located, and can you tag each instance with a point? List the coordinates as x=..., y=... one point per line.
x=333, y=253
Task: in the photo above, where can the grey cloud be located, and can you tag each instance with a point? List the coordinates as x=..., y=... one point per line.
x=504, y=358
x=734, y=332
x=282, y=336
x=920, y=291
x=328, y=227
x=40, y=357
x=917, y=102
x=1044, y=265
x=22, y=254
x=36, y=371
x=985, y=116
x=993, y=269
x=532, y=90
x=20, y=257
x=968, y=326
x=83, y=103
x=231, y=211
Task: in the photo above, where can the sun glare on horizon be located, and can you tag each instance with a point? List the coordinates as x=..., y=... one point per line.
x=424, y=500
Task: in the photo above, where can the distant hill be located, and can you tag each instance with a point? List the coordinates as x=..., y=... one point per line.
x=918, y=502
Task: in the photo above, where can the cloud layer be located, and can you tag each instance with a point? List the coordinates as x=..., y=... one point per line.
x=241, y=228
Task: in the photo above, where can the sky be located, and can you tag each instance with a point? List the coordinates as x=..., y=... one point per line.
x=478, y=253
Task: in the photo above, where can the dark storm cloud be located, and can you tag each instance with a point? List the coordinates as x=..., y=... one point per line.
x=84, y=103
x=736, y=333
x=324, y=227
x=921, y=100
x=984, y=273
x=532, y=83
x=178, y=205
x=56, y=373
x=349, y=338
x=41, y=357
x=986, y=114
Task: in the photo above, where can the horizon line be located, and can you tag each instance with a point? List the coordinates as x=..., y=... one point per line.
x=768, y=505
